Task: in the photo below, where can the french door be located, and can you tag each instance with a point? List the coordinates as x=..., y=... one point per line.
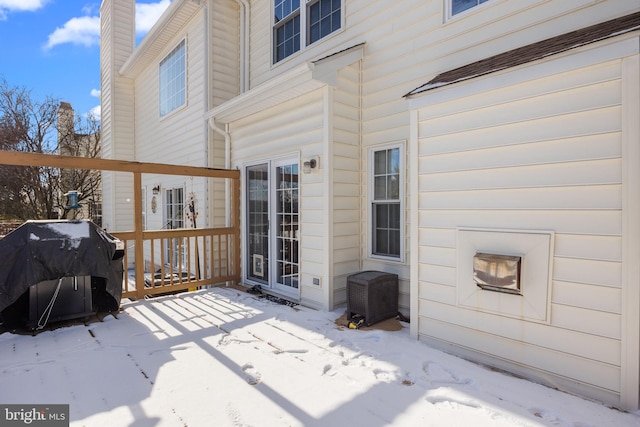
x=272, y=225
x=174, y=218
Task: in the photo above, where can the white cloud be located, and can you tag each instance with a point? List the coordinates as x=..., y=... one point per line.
x=84, y=30
x=90, y=9
x=95, y=113
x=147, y=14
x=7, y=6
x=95, y=92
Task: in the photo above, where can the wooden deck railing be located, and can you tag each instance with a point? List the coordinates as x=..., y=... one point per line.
x=181, y=259
x=206, y=256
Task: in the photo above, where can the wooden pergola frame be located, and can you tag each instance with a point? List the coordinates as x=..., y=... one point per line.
x=14, y=158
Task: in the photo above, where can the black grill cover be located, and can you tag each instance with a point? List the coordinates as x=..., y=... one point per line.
x=48, y=250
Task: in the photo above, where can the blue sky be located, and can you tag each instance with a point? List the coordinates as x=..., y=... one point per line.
x=52, y=47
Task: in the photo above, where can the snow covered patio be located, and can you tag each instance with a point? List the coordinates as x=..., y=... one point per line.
x=223, y=357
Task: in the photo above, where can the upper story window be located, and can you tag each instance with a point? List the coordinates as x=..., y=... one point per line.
x=458, y=6
x=172, y=80
x=319, y=17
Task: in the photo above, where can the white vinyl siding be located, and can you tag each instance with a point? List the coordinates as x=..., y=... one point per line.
x=224, y=84
x=345, y=181
x=117, y=115
x=543, y=154
x=180, y=137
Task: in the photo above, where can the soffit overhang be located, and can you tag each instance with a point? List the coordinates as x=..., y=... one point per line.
x=295, y=82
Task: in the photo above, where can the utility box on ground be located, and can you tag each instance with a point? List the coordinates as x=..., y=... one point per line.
x=372, y=295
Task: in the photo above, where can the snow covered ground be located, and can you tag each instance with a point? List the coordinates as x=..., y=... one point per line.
x=223, y=357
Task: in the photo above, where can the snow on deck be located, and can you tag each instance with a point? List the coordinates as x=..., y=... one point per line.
x=224, y=357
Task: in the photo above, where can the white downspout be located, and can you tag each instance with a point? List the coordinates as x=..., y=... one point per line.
x=207, y=192
x=244, y=86
x=244, y=45
x=227, y=163
x=227, y=140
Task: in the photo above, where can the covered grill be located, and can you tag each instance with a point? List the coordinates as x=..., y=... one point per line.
x=57, y=270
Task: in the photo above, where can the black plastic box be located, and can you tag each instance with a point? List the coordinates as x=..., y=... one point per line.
x=372, y=295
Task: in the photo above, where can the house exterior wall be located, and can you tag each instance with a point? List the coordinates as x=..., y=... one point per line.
x=117, y=115
x=540, y=147
x=223, y=59
x=561, y=183
x=180, y=137
x=293, y=129
x=406, y=43
x=424, y=41
x=344, y=151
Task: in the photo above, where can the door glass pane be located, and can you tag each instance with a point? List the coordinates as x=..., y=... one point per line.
x=258, y=223
x=174, y=208
x=287, y=222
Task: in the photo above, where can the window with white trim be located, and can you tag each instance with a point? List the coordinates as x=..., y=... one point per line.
x=386, y=210
x=295, y=27
x=172, y=80
x=459, y=6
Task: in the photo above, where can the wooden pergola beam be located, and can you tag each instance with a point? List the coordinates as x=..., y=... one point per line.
x=16, y=158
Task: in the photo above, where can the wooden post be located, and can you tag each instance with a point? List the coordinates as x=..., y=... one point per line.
x=235, y=215
x=138, y=232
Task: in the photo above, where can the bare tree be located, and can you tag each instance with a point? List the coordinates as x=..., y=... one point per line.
x=79, y=138
x=33, y=126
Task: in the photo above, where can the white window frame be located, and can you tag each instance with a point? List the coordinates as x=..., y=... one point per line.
x=401, y=146
x=303, y=13
x=165, y=106
x=449, y=8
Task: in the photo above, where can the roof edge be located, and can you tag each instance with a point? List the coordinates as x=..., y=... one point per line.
x=534, y=51
x=143, y=50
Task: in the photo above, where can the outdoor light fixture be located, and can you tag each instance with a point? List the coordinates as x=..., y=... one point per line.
x=310, y=164
x=156, y=189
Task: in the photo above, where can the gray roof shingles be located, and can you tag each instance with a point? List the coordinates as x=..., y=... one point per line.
x=534, y=51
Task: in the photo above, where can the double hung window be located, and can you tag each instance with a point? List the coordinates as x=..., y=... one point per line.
x=296, y=25
x=386, y=202
x=459, y=6
x=172, y=80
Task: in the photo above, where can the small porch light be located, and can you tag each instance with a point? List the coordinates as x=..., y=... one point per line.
x=499, y=273
x=310, y=164
x=156, y=189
